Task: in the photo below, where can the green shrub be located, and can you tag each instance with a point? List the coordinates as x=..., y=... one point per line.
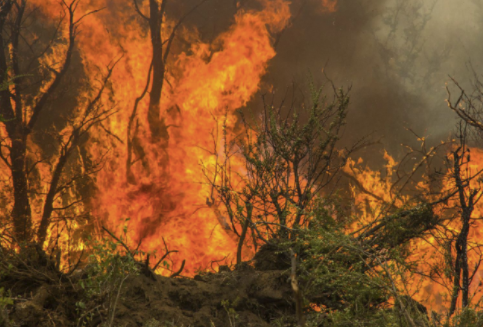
x=108, y=268
x=5, y=301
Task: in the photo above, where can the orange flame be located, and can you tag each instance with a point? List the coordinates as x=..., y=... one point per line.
x=204, y=86
x=428, y=252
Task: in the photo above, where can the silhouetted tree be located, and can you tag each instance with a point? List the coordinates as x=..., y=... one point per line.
x=32, y=86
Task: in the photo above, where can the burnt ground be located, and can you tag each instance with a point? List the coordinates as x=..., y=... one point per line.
x=256, y=294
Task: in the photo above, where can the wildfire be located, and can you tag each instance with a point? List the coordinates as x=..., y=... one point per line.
x=166, y=200
x=429, y=252
x=163, y=191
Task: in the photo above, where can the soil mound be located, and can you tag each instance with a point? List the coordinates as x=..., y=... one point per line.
x=245, y=296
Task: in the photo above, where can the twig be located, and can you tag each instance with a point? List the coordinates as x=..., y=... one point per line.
x=176, y=274
x=118, y=240
x=115, y=302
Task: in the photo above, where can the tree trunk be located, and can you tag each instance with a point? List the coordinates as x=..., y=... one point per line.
x=21, y=213
x=249, y=208
x=49, y=199
x=461, y=271
x=463, y=248
x=157, y=125
x=456, y=283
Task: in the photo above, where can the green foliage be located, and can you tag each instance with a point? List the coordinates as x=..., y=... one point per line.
x=230, y=311
x=468, y=317
x=107, y=269
x=5, y=301
x=382, y=317
x=393, y=317
x=354, y=285
x=5, y=298
x=153, y=323
x=289, y=156
x=334, y=269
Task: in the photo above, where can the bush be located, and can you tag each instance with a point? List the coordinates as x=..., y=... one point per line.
x=107, y=270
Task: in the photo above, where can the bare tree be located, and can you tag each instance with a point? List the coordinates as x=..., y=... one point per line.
x=468, y=197
x=469, y=107
x=30, y=90
x=288, y=159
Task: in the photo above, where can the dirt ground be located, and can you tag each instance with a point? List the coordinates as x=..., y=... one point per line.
x=255, y=294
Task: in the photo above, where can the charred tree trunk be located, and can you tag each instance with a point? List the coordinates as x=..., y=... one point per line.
x=21, y=213
x=19, y=119
x=296, y=291
x=16, y=130
x=155, y=82
x=461, y=279
x=241, y=240
x=157, y=126
x=49, y=200
x=68, y=148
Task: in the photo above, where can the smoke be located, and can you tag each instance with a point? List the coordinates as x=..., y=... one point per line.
x=397, y=56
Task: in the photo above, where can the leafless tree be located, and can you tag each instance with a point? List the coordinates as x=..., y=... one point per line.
x=469, y=107
x=31, y=87
x=468, y=197
x=288, y=159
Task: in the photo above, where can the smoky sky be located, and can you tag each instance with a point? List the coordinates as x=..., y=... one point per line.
x=396, y=55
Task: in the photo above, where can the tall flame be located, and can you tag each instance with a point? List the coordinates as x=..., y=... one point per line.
x=166, y=200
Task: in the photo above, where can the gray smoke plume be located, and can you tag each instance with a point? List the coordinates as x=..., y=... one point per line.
x=396, y=54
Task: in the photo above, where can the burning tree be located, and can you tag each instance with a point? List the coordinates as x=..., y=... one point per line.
x=202, y=80
x=273, y=187
x=274, y=198
x=35, y=69
x=467, y=183
x=161, y=51
x=468, y=197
